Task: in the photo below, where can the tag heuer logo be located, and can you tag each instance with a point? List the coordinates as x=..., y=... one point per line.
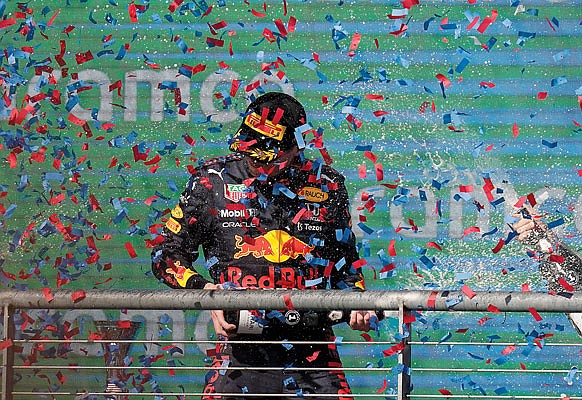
x=292, y=317
x=234, y=192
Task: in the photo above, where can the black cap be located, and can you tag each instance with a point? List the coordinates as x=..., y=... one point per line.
x=269, y=126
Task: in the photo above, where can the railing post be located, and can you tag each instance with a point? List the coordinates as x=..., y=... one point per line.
x=405, y=355
x=8, y=354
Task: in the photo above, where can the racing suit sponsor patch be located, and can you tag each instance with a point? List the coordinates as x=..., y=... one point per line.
x=234, y=193
x=173, y=225
x=315, y=195
x=180, y=273
x=177, y=212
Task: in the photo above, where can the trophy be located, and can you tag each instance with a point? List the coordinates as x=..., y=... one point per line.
x=115, y=354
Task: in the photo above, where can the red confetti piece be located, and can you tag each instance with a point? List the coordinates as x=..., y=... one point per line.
x=354, y=44
x=468, y=292
x=515, y=130
x=391, y=249
x=423, y=107
x=383, y=388
x=56, y=199
x=123, y=324
x=493, y=309
x=444, y=80
x=5, y=344
x=281, y=27
x=434, y=245
x=366, y=337
x=7, y=22
x=359, y=263
x=47, y=294
x=409, y=318
x=508, y=350
x=50, y=22
x=370, y=156
x=565, y=285
x=314, y=356
x=258, y=14
x=379, y=172
x=288, y=303
x=431, y=300
x=175, y=4
x=393, y=350
x=130, y=250
x=445, y=392
x=78, y=296
x=499, y=246
x=83, y=57
x=487, y=21
x=361, y=171
x=471, y=229
x=535, y=314
x=542, y=95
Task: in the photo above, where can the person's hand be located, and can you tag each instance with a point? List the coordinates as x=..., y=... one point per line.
x=530, y=227
x=221, y=326
x=524, y=226
x=360, y=320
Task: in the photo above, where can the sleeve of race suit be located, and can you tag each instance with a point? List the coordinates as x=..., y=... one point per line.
x=561, y=268
x=340, y=246
x=185, y=230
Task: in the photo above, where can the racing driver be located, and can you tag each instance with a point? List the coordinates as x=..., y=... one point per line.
x=267, y=217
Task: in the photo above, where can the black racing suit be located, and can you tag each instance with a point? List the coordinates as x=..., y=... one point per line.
x=292, y=231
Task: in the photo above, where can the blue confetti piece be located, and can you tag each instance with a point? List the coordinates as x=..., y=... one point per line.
x=10, y=211
x=365, y=228
x=299, y=139
x=500, y=391
x=490, y=43
x=556, y=223
x=569, y=378
x=426, y=261
x=461, y=66
x=446, y=337
x=172, y=185
x=561, y=55
x=491, y=232
x=213, y=260
x=313, y=282
x=461, y=276
x=501, y=360
x=453, y=302
x=548, y=144
x=560, y=80
x=495, y=203
x=340, y=263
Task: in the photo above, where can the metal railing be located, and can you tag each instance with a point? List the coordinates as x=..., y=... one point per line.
x=403, y=302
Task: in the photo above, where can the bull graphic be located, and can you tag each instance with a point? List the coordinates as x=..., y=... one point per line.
x=276, y=246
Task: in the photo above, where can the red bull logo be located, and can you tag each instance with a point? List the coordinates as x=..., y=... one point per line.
x=275, y=246
x=285, y=277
